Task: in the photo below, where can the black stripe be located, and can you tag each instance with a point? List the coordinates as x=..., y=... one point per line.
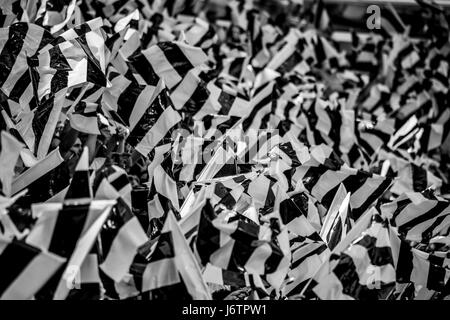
x=289, y=210
x=145, y=69
x=226, y=101
x=264, y=102
x=246, y=232
x=207, y=36
x=428, y=233
x=94, y=74
x=120, y=182
x=232, y=278
x=290, y=63
x=208, y=238
x=259, y=89
x=127, y=101
x=149, y=118
x=40, y=119
x=13, y=260
x=312, y=176
x=436, y=277
x=379, y=256
x=334, y=237
x=352, y=183
x=240, y=254
x=176, y=58
x=235, y=68
x=405, y=263
x=401, y=205
x=11, y=49
x=357, y=212
x=68, y=228
x=164, y=249
x=79, y=186
x=419, y=178
x=20, y=86
x=273, y=261
x=198, y=98
x=270, y=196
x=346, y=273
x=430, y=214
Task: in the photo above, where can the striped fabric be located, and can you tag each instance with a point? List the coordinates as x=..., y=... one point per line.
x=17, y=43
x=66, y=65
x=413, y=178
x=121, y=236
x=224, y=103
x=261, y=105
x=236, y=243
x=25, y=269
x=365, y=270
x=80, y=188
x=308, y=250
x=170, y=60
x=55, y=15
x=154, y=125
x=322, y=184
x=47, y=164
x=172, y=262
x=198, y=32
x=79, y=31
x=68, y=231
x=43, y=124
x=430, y=270
x=337, y=221
x=118, y=178
x=418, y=218
x=85, y=117
x=374, y=134
x=130, y=100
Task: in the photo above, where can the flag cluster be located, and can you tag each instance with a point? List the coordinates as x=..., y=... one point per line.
x=153, y=151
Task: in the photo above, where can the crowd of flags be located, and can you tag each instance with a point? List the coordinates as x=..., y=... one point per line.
x=261, y=160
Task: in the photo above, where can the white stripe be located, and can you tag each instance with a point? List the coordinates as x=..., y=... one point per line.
x=112, y=94
x=328, y=181
x=51, y=161
x=159, y=274
x=29, y=48
x=143, y=102
x=256, y=262
x=89, y=269
x=165, y=122
x=185, y=90
x=360, y=196
x=213, y=274
x=123, y=249
x=162, y=66
x=50, y=126
x=166, y=186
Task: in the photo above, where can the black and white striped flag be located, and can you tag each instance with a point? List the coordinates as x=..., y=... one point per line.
x=25, y=269
x=171, y=263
